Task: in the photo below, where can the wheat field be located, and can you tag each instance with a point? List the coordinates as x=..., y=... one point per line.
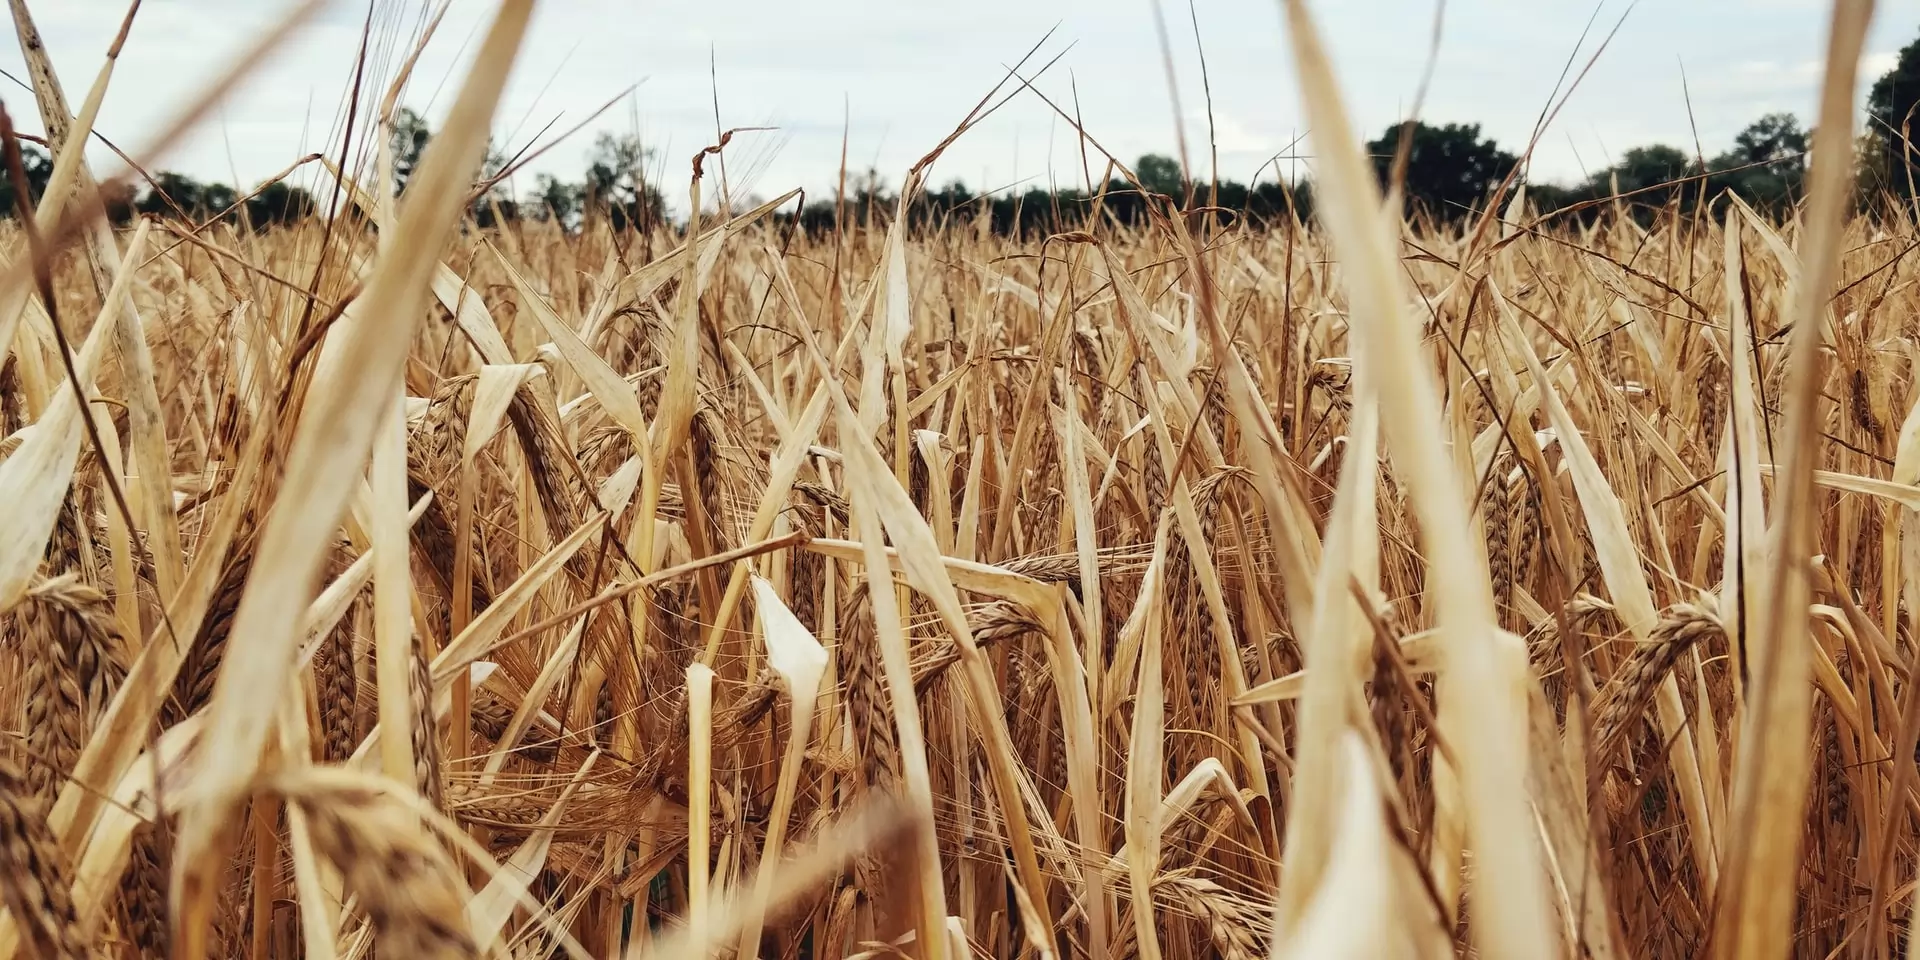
x=1363, y=587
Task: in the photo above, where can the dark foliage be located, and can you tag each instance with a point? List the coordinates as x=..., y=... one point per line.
x=39, y=167
x=1451, y=171
x=1893, y=106
x=1038, y=212
x=175, y=194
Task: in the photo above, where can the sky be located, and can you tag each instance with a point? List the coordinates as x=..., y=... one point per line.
x=891, y=78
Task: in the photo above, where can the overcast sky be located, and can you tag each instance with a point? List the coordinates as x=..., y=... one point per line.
x=896, y=75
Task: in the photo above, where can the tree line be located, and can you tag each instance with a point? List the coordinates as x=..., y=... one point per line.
x=1448, y=173
x=170, y=194
x=613, y=185
x=1451, y=171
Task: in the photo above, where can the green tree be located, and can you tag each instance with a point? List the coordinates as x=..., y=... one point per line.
x=616, y=183
x=196, y=199
x=1891, y=109
x=279, y=202
x=274, y=203
x=408, y=142
x=1450, y=169
x=39, y=169
x=1650, y=166
x=1648, y=173
x=1773, y=139
x=556, y=199
x=1767, y=163
x=1873, y=175
x=1161, y=174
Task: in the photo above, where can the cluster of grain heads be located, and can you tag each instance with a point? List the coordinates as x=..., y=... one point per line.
x=411, y=890
x=71, y=668
x=38, y=887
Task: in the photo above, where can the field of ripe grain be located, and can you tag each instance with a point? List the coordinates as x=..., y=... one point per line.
x=1541, y=587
